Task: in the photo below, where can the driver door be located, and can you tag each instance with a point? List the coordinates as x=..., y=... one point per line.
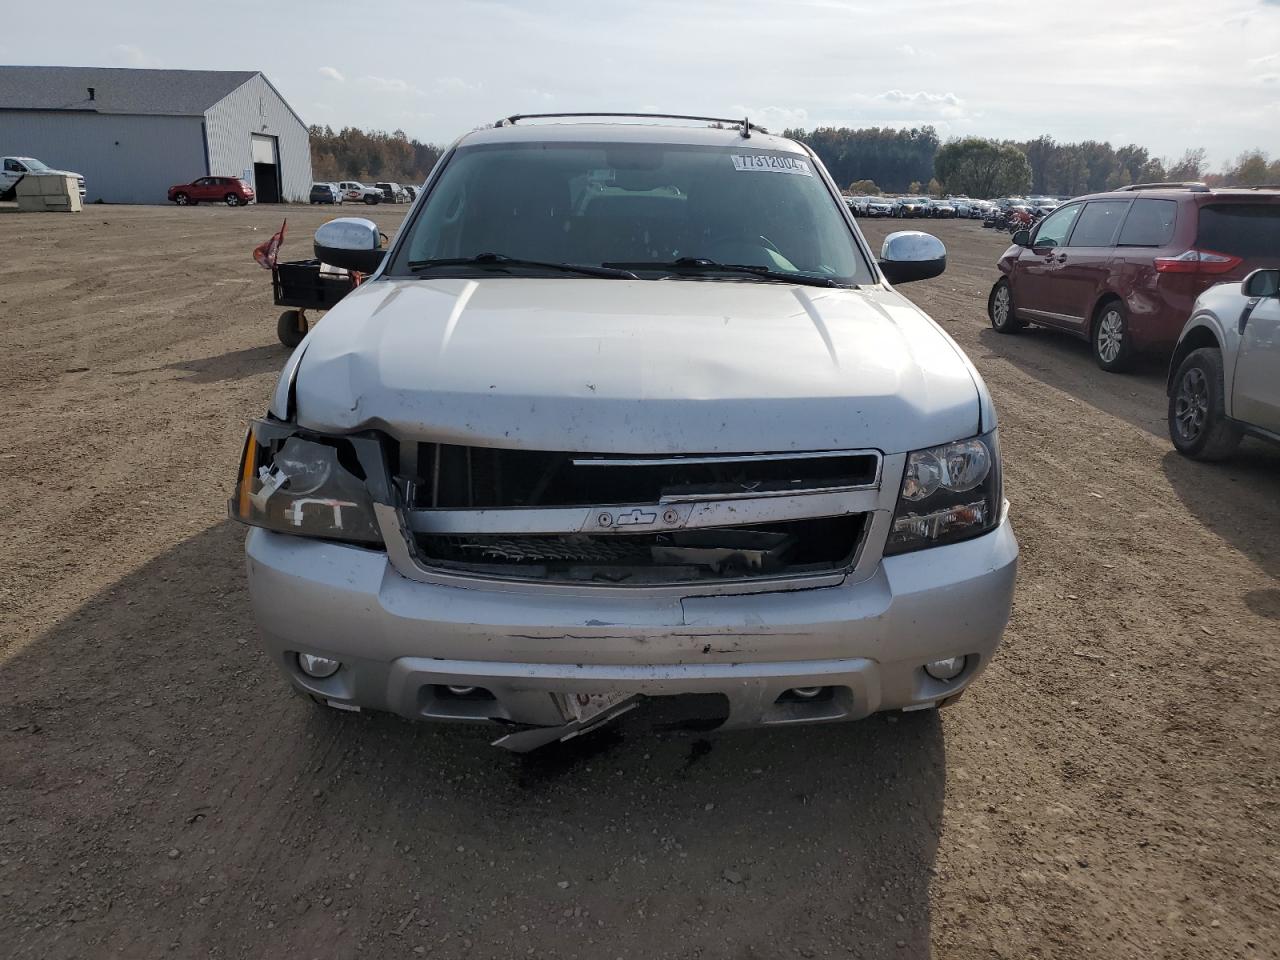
x=1036, y=271
x=1255, y=392
x=13, y=172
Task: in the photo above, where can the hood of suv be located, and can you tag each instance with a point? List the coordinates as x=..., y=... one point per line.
x=647, y=366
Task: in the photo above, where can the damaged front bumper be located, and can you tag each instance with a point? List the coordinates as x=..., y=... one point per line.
x=403, y=643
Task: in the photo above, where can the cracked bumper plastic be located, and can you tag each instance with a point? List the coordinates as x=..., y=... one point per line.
x=403, y=642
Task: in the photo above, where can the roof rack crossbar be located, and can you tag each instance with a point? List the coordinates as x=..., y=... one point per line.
x=743, y=124
x=1195, y=186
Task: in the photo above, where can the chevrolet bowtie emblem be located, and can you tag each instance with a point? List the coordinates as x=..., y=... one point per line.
x=636, y=518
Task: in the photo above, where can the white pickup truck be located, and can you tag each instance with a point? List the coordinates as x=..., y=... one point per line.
x=15, y=168
x=355, y=191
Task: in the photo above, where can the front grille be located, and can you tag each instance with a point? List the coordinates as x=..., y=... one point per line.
x=447, y=476
x=642, y=519
x=788, y=548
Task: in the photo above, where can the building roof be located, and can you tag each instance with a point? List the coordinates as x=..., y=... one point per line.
x=121, y=90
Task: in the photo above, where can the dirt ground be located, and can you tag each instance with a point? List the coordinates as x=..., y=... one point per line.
x=1108, y=789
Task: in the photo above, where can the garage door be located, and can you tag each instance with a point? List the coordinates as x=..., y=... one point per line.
x=264, y=148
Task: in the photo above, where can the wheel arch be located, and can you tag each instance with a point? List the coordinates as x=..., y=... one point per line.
x=1104, y=298
x=1199, y=335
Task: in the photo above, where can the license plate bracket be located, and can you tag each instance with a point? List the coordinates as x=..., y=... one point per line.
x=585, y=707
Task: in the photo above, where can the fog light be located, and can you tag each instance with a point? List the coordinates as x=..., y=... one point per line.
x=947, y=669
x=318, y=667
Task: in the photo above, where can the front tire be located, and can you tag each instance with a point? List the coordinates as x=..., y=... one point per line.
x=1000, y=309
x=1198, y=424
x=181, y=199
x=232, y=200
x=291, y=328
x=1112, y=343
x=371, y=201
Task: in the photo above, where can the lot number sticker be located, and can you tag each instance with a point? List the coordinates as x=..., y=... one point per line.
x=768, y=163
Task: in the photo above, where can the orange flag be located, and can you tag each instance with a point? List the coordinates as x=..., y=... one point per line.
x=267, y=252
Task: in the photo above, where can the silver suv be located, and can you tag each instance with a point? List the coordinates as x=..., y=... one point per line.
x=627, y=411
x=1224, y=381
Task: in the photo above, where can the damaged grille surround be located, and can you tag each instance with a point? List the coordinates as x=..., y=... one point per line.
x=584, y=519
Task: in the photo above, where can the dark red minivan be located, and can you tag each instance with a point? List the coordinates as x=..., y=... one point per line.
x=1123, y=269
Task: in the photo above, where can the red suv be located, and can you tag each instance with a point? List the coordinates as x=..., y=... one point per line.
x=1123, y=269
x=229, y=190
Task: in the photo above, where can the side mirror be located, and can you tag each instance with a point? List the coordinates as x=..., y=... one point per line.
x=1261, y=283
x=1022, y=238
x=352, y=243
x=911, y=255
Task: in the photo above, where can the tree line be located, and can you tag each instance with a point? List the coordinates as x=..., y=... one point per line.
x=880, y=159
x=355, y=154
x=873, y=160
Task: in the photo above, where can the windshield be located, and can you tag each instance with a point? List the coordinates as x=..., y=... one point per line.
x=642, y=205
x=33, y=164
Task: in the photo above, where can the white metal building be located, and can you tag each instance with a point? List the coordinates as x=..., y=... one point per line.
x=133, y=133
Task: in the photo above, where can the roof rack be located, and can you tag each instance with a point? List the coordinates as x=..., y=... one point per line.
x=744, y=125
x=1195, y=186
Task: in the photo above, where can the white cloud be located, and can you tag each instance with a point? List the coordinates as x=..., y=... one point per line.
x=456, y=85
x=922, y=106
x=921, y=97
x=332, y=73
x=773, y=119
x=133, y=56
x=390, y=85
x=907, y=50
x=1270, y=57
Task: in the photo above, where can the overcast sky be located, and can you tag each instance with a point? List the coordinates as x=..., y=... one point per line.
x=1166, y=75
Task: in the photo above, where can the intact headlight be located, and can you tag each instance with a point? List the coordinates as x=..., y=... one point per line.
x=291, y=482
x=949, y=493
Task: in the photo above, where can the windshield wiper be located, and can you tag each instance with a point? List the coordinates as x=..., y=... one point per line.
x=703, y=265
x=502, y=262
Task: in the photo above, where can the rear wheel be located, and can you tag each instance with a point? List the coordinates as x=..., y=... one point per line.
x=232, y=200
x=1112, y=345
x=1198, y=424
x=291, y=328
x=181, y=199
x=1000, y=309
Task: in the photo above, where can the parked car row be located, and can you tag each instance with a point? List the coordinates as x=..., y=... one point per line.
x=910, y=207
x=234, y=191
x=394, y=193
x=1016, y=213
x=1164, y=267
x=382, y=192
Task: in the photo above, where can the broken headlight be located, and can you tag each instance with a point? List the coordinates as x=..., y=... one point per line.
x=310, y=487
x=949, y=493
